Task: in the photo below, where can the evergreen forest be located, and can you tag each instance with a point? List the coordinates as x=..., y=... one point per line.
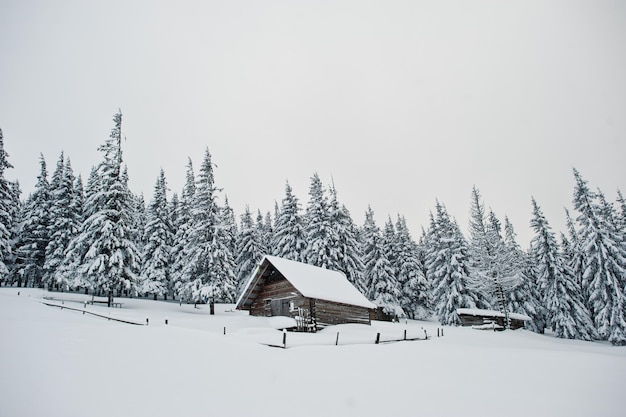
x=99, y=237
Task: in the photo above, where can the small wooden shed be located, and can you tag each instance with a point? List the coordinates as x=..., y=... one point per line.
x=314, y=297
x=484, y=318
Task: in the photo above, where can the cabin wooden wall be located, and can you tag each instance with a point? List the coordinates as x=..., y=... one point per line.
x=277, y=290
x=329, y=313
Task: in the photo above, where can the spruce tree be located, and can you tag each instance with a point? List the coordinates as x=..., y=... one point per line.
x=8, y=211
x=208, y=261
x=415, y=297
x=604, y=262
x=263, y=234
x=525, y=298
x=317, y=225
x=344, y=247
x=288, y=240
x=64, y=224
x=249, y=248
x=447, y=264
x=34, y=231
x=182, y=225
x=493, y=272
x=111, y=261
x=568, y=316
x=382, y=288
x=159, y=236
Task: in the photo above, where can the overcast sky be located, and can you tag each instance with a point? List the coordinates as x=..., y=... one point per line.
x=401, y=102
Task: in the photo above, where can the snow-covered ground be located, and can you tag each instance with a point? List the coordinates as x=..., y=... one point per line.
x=56, y=362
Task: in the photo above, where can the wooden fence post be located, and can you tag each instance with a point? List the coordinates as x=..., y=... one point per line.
x=284, y=339
x=404, y=334
x=337, y=339
x=378, y=338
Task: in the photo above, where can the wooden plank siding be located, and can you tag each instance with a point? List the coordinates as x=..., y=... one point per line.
x=280, y=289
x=329, y=313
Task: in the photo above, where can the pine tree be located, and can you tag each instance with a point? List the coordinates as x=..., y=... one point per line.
x=249, y=248
x=182, y=225
x=493, y=272
x=415, y=297
x=382, y=286
x=288, y=240
x=8, y=211
x=64, y=224
x=34, y=230
x=208, y=261
x=621, y=215
x=111, y=261
x=568, y=316
x=317, y=225
x=447, y=264
x=230, y=227
x=525, y=298
x=604, y=262
x=262, y=233
x=139, y=221
x=157, y=251
x=344, y=246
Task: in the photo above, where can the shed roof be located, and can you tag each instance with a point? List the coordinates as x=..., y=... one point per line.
x=311, y=281
x=491, y=313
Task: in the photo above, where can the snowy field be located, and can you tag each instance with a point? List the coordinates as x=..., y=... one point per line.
x=56, y=362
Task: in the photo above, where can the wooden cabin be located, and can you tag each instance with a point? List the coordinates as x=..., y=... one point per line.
x=484, y=318
x=314, y=297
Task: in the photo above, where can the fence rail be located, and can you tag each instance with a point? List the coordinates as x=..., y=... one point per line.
x=84, y=311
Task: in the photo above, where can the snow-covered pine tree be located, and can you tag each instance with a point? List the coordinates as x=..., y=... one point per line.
x=415, y=297
x=568, y=316
x=621, y=214
x=159, y=236
x=208, y=262
x=525, y=298
x=262, y=233
x=249, y=248
x=34, y=231
x=112, y=261
x=344, y=248
x=288, y=240
x=382, y=288
x=8, y=209
x=604, y=261
x=139, y=219
x=64, y=222
x=268, y=231
x=493, y=273
x=230, y=227
x=447, y=263
x=317, y=225
x=182, y=226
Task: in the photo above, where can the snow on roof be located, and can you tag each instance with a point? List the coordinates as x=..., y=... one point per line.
x=314, y=282
x=491, y=313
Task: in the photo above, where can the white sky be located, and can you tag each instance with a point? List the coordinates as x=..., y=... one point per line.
x=401, y=102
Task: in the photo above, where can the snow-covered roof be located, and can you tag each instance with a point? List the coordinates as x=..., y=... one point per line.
x=491, y=313
x=312, y=282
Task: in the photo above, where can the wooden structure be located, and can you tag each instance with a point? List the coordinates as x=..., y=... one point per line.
x=480, y=318
x=314, y=297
